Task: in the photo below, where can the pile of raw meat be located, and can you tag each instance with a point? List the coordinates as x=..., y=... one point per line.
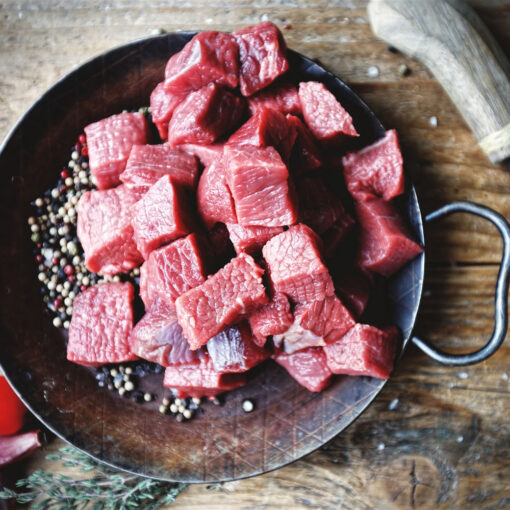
x=245, y=165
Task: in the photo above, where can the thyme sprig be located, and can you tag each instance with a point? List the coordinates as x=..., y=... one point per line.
x=104, y=489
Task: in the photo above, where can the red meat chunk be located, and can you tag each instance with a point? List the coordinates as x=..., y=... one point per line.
x=163, y=104
x=105, y=231
x=214, y=200
x=306, y=155
x=172, y=271
x=263, y=56
x=161, y=216
x=109, y=143
x=274, y=318
x=354, y=289
x=319, y=208
x=295, y=265
x=258, y=181
x=207, y=154
x=323, y=114
x=15, y=447
x=233, y=350
x=148, y=163
x=201, y=379
x=384, y=243
x=204, y=116
x=250, y=239
x=317, y=323
x=376, y=169
x=364, y=350
x=308, y=367
x=233, y=291
x=210, y=57
x=159, y=338
x=281, y=96
x=334, y=236
x=267, y=127
x=101, y=324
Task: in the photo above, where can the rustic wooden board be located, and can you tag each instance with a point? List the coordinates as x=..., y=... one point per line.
x=445, y=445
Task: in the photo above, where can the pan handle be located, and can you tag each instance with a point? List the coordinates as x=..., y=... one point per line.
x=501, y=297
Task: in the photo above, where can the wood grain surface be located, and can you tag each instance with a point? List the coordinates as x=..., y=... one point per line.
x=444, y=440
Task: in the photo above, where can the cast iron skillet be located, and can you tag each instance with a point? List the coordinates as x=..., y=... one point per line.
x=224, y=443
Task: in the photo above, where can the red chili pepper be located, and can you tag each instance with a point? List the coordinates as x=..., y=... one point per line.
x=12, y=409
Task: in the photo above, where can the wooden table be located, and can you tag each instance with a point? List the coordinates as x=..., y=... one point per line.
x=444, y=441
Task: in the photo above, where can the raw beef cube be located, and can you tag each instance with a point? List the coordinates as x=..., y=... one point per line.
x=274, y=318
x=204, y=116
x=376, y=169
x=266, y=128
x=317, y=323
x=295, y=265
x=233, y=350
x=323, y=114
x=334, y=236
x=159, y=338
x=308, y=367
x=306, y=154
x=214, y=200
x=354, y=289
x=172, y=271
x=105, y=231
x=210, y=57
x=364, y=350
x=258, y=181
x=384, y=243
x=148, y=163
x=234, y=291
x=281, y=96
x=250, y=239
x=201, y=379
x=319, y=208
x=207, y=154
x=101, y=324
x=109, y=143
x=263, y=56
x=161, y=216
x=163, y=104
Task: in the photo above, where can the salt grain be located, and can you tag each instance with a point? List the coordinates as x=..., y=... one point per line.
x=433, y=122
x=460, y=439
x=393, y=404
x=373, y=72
x=463, y=375
x=381, y=447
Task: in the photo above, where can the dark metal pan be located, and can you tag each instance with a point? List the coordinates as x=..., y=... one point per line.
x=224, y=443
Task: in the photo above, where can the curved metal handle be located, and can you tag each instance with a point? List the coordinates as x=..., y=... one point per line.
x=501, y=297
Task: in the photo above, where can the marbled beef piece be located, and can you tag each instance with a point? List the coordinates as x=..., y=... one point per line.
x=210, y=57
x=200, y=379
x=259, y=182
x=295, y=265
x=158, y=338
x=172, y=270
x=204, y=116
x=207, y=154
x=148, y=163
x=105, y=231
x=262, y=54
x=161, y=216
x=323, y=114
x=316, y=324
x=101, y=324
x=109, y=143
x=231, y=293
x=375, y=170
x=364, y=350
x=308, y=367
x=214, y=200
x=384, y=242
x=250, y=239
